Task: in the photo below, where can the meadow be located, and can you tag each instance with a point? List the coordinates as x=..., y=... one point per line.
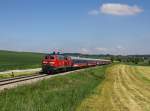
x=10, y=60
x=61, y=93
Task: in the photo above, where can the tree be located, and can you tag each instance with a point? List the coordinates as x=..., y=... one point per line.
x=136, y=60
x=112, y=59
x=149, y=62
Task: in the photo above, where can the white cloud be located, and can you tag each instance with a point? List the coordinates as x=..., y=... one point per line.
x=119, y=50
x=119, y=47
x=93, y=12
x=116, y=50
x=84, y=51
x=120, y=9
x=101, y=49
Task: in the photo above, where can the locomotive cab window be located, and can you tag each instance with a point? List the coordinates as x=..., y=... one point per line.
x=46, y=57
x=66, y=58
x=51, y=57
x=61, y=57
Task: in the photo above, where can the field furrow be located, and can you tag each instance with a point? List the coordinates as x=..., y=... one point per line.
x=126, y=88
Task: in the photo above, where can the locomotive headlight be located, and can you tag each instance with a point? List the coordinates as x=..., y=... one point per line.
x=45, y=62
x=51, y=62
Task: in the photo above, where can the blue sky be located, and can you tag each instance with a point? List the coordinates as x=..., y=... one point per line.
x=86, y=26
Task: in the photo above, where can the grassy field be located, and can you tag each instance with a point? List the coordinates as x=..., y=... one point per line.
x=19, y=60
x=16, y=73
x=63, y=93
x=126, y=88
x=115, y=87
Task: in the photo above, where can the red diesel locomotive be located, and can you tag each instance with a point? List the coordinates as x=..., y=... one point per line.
x=56, y=62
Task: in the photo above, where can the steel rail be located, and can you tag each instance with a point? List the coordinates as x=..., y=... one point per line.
x=19, y=79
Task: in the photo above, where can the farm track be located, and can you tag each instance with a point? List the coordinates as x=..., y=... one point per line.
x=126, y=88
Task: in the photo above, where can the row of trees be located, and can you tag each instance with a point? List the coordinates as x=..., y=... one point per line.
x=131, y=59
x=134, y=59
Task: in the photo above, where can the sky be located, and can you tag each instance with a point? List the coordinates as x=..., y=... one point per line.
x=84, y=26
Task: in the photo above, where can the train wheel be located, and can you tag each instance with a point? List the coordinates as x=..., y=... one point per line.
x=50, y=72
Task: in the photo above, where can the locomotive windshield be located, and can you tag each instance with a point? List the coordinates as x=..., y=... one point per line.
x=46, y=57
x=60, y=57
x=49, y=57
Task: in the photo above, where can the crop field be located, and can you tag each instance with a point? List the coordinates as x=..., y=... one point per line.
x=126, y=88
x=63, y=93
x=19, y=60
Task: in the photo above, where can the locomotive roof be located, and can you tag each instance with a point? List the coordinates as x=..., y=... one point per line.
x=80, y=58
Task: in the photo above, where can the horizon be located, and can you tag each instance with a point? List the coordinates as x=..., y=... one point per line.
x=113, y=27
x=75, y=53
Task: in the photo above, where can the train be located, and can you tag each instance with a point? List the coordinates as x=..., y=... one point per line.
x=56, y=62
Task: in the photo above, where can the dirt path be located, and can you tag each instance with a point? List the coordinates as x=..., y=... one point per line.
x=23, y=70
x=126, y=88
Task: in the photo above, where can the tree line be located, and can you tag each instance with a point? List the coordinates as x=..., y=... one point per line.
x=130, y=59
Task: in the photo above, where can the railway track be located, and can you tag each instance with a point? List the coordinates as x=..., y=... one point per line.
x=19, y=79
x=22, y=80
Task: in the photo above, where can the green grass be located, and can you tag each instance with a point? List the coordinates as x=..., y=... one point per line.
x=10, y=60
x=16, y=74
x=61, y=93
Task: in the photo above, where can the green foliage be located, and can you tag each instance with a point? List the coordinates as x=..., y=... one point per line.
x=112, y=59
x=132, y=59
x=129, y=59
x=96, y=56
x=19, y=60
x=149, y=62
x=63, y=93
